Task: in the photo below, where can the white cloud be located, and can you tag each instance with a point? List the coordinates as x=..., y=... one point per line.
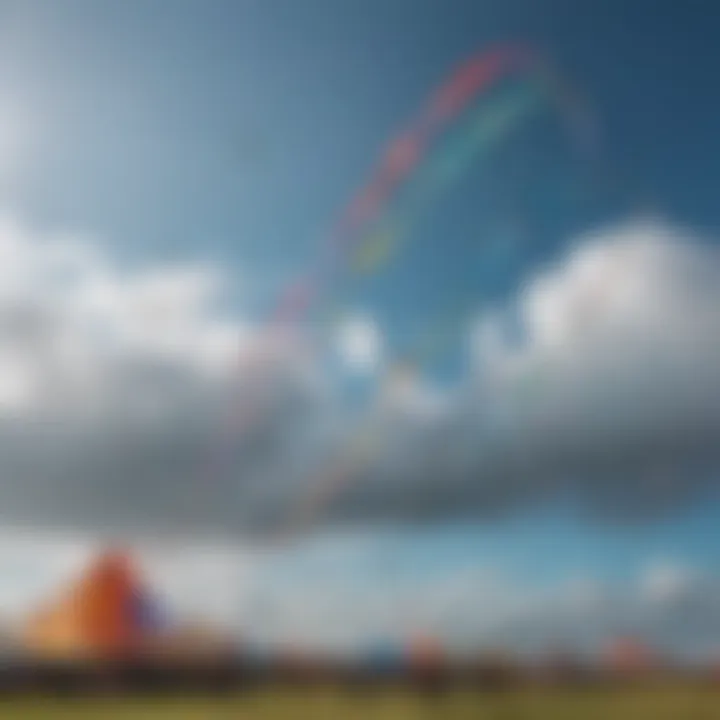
x=360, y=344
x=126, y=395
x=118, y=387
x=666, y=582
x=202, y=580
x=641, y=296
x=68, y=318
x=612, y=392
x=34, y=566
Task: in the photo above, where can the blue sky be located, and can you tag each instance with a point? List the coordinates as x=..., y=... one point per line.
x=219, y=114
x=229, y=135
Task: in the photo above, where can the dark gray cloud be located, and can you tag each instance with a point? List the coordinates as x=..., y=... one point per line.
x=613, y=398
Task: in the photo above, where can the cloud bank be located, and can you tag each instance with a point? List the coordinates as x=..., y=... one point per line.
x=130, y=400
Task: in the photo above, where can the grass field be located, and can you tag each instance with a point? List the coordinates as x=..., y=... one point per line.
x=656, y=704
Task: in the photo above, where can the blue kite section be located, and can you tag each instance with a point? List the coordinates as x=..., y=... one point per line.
x=147, y=613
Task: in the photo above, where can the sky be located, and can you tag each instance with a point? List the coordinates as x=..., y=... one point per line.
x=165, y=172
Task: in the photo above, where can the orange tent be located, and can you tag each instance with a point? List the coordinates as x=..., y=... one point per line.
x=628, y=655
x=94, y=616
x=425, y=652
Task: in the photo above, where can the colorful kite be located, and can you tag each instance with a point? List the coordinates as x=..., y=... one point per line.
x=463, y=122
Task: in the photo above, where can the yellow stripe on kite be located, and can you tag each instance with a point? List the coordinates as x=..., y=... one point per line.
x=376, y=251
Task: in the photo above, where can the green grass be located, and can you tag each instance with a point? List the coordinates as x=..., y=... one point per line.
x=655, y=704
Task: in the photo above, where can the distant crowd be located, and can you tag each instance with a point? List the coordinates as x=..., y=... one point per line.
x=239, y=673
